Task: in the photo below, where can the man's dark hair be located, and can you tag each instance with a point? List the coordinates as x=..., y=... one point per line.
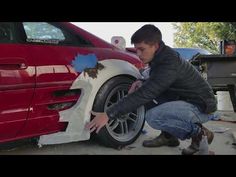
x=149, y=34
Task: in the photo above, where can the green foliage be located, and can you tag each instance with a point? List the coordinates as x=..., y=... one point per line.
x=206, y=35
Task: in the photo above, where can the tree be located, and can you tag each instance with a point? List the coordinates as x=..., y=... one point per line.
x=206, y=35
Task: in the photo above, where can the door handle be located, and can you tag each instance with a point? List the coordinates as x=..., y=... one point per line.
x=13, y=63
x=22, y=66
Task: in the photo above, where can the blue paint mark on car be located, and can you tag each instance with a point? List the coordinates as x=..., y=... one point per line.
x=82, y=62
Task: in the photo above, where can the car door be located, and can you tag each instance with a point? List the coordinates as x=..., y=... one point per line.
x=17, y=81
x=53, y=49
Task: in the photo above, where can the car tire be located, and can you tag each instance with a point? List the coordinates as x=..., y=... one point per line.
x=121, y=131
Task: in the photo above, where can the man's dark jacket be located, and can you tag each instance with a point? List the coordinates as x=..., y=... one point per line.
x=169, y=74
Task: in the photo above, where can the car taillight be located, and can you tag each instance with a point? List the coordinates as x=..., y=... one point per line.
x=230, y=49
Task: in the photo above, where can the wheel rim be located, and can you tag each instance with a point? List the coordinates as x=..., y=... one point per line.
x=125, y=128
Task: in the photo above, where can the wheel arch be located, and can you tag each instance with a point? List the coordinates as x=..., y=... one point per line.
x=78, y=115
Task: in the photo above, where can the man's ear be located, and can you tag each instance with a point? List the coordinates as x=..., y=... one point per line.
x=157, y=46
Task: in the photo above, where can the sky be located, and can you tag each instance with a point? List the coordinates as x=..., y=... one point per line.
x=106, y=30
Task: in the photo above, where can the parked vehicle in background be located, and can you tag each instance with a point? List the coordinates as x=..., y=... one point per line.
x=53, y=74
x=219, y=69
x=189, y=53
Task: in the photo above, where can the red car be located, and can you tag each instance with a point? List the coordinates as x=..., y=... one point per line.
x=53, y=74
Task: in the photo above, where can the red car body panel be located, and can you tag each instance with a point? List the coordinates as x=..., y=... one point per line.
x=16, y=88
x=32, y=74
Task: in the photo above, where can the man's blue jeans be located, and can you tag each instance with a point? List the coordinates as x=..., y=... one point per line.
x=177, y=118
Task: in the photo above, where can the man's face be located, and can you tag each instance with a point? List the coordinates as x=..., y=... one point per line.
x=146, y=51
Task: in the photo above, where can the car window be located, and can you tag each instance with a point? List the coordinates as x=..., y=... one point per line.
x=7, y=32
x=42, y=32
x=52, y=33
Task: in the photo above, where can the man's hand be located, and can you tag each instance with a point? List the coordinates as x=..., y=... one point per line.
x=135, y=86
x=98, y=122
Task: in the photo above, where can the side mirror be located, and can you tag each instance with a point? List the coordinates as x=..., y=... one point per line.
x=119, y=42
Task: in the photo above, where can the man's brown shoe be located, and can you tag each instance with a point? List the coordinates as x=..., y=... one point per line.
x=162, y=140
x=194, y=146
